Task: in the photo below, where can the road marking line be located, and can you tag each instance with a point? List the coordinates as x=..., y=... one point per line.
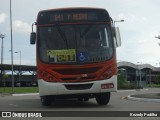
x=13, y=105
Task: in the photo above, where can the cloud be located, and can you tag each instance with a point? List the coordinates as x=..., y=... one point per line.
x=3, y=17
x=128, y=17
x=20, y=26
x=142, y=50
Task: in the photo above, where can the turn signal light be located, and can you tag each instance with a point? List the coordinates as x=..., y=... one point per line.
x=47, y=77
x=107, y=74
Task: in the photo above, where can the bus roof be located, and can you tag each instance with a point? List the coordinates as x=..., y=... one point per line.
x=73, y=8
x=77, y=14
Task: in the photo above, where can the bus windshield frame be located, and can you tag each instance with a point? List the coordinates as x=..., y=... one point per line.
x=75, y=43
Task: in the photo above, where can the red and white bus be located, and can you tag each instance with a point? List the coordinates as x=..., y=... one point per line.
x=76, y=54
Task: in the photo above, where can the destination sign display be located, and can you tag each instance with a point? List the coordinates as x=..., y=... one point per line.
x=73, y=17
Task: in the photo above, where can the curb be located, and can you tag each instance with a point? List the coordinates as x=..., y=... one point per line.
x=143, y=99
x=25, y=94
x=132, y=90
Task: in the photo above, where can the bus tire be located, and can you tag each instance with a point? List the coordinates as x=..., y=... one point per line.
x=103, y=98
x=46, y=100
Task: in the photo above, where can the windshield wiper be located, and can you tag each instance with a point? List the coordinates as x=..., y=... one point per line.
x=62, y=34
x=86, y=30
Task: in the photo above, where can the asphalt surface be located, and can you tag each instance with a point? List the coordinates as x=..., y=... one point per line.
x=131, y=100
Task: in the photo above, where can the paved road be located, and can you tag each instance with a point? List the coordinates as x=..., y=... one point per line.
x=117, y=103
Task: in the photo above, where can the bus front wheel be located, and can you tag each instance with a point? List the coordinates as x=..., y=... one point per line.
x=46, y=100
x=103, y=98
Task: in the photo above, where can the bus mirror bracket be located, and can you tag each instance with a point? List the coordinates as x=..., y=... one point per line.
x=33, y=35
x=117, y=36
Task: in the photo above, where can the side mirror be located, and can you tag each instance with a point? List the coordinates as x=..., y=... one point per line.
x=32, y=38
x=117, y=36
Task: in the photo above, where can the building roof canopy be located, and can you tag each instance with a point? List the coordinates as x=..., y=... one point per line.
x=139, y=67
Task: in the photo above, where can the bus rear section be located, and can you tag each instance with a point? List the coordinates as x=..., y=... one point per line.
x=76, y=54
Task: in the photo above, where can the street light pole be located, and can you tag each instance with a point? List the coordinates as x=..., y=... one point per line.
x=118, y=21
x=2, y=36
x=19, y=67
x=157, y=36
x=11, y=45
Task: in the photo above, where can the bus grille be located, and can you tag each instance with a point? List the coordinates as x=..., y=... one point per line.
x=79, y=87
x=93, y=76
x=77, y=71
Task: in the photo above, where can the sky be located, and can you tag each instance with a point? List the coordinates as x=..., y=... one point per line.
x=138, y=31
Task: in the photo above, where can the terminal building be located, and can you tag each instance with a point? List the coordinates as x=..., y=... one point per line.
x=141, y=74
x=25, y=75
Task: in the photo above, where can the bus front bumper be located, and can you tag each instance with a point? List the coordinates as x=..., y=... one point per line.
x=50, y=88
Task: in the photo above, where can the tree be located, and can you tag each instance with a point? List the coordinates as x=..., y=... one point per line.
x=158, y=79
x=122, y=82
x=5, y=76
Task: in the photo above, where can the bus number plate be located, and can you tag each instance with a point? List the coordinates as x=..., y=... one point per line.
x=65, y=58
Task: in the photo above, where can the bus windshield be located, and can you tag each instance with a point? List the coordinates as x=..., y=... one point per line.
x=75, y=44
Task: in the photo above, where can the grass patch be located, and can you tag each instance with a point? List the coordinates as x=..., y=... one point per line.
x=128, y=87
x=18, y=90
x=154, y=85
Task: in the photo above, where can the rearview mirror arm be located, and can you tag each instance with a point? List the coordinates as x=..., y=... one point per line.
x=33, y=24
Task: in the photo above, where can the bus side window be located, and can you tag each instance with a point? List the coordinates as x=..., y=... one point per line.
x=106, y=37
